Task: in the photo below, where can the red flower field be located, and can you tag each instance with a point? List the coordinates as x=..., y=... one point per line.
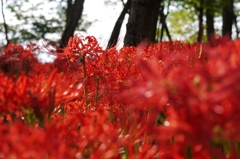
x=169, y=100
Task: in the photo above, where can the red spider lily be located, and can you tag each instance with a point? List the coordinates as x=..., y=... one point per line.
x=189, y=94
x=13, y=49
x=16, y=59
x=39, y=93
x=165, y=100
x=76, y=136
x=79, y=46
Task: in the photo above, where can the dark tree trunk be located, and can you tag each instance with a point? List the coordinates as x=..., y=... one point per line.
x=210, y=19
x=73, y=14
x=5, y=24
x=116, y=30
x=163, y=21
x=236, y=25
x=168, y=33
x=142, y=22
x=164, y=27
x=200, y=22
x=228, y=16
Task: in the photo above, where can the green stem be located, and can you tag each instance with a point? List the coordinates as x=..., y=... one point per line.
x=97, y=85
x=27, y=67
x=226, y=147
x=85, y=82
x=189, y=152
x=136, y=148
x=126, y=155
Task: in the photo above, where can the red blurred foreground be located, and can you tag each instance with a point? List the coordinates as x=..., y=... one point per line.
x=170, y=100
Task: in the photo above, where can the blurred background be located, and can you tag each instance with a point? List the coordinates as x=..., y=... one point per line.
x=125, y=22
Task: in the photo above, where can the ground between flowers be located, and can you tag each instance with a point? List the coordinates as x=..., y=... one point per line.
x=164, y=100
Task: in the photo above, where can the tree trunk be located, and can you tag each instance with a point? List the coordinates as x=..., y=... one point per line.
x=73, y=14
x=142, y=22
x=116, y=30
x=5, y=24
x=236, y=25
x=200, y=22
x=210, y=19
x=228, y=16
x=163, y=21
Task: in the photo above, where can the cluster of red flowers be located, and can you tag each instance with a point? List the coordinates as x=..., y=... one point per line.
x=164, y=100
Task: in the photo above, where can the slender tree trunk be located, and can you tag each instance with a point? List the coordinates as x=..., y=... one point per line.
x=236, y=26
x=142, y=22
x=168, y=33
x=210, y=19
x=162, y=31
x=5, y=24
x=163, y=21
x=200, y=22
x=116, y=30
x=73, y=14
x=228, y=16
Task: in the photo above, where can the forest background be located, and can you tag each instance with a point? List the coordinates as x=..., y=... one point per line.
x=55, y=21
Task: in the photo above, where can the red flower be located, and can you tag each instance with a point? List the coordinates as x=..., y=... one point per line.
x=79, y=46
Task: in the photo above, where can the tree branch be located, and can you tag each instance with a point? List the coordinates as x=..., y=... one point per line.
x=117, y=27
x=74, y=13
x=123, y=3
x=5, y=24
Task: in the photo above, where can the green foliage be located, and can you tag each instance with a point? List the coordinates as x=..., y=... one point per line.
x=183, y=22
x=34, y=20
x=182, y=19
